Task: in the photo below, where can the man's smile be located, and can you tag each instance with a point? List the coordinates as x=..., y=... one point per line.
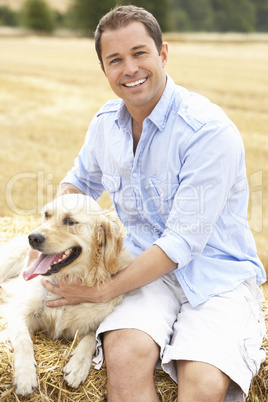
x=135, y=83
x=134, y=67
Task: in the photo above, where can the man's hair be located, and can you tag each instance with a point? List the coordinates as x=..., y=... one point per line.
x=122, y=16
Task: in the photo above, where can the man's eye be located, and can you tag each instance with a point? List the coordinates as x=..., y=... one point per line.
x=115, y=61
x=139, y=53
x=69, y=222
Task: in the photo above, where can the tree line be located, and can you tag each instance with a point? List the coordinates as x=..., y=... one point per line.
x=173, y=15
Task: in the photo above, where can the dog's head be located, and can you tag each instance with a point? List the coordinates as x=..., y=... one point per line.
x=77, y=239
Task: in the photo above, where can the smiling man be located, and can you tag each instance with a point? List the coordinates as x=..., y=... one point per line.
x=135, y=70
x=173, y=164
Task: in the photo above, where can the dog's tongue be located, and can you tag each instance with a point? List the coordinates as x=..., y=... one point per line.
x=39, y=267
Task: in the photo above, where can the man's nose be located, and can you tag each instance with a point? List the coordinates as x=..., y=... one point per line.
x=130, y=67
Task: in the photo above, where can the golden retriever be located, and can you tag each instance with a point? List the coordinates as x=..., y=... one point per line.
x=78, y=241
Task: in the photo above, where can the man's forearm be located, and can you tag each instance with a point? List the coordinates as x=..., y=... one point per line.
x=149, y=266
x=146, y=268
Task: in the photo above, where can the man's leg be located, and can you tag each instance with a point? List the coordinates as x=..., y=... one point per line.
x=132, y=338
x=226, y=331
x=130, y=356
x=201, y=382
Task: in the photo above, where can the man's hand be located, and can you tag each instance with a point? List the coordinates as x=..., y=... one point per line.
x=75, y=293
x=146, y=268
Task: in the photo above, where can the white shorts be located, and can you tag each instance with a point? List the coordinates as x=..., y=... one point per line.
x=226, y=331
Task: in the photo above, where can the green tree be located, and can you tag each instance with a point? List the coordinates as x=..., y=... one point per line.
x=8, y=17
x=180, y=20
x=192, y=15
x=159, y=9
x=236, y=16
x=37, y=15
x=199, y=12
x=262, y=15
x=85, y=14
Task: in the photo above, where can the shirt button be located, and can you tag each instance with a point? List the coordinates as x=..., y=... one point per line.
x=134, y=174
x=139, y=208
x=155, y=230
x=161, y=195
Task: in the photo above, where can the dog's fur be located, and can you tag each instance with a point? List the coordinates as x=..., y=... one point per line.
x=69, y=221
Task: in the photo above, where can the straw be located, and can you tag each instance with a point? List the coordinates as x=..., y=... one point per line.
x=51, y=356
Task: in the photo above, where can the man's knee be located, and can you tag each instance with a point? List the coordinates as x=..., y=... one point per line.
x=200, y=382
x=130, y=348
x=130, y=357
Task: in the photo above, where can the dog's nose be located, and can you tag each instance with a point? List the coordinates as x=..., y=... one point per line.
x=36, y=240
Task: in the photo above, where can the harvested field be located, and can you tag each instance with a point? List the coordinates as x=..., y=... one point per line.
x=50, y=90
x=52, y=87
x=51, y=356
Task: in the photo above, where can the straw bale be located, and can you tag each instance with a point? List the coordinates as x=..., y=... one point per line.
x=51, y=356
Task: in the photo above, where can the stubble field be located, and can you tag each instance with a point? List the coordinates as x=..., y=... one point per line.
x=50, y=88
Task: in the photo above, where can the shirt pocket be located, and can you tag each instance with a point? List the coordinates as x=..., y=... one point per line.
x=162, y=196
x=111, y=182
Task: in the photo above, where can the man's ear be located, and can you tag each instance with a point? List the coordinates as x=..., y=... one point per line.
x=164, y=54
x=102, y=67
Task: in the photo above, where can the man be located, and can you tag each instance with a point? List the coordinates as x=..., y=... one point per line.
x=173, y=164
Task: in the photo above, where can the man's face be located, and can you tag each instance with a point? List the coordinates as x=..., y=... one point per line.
x=133, y=66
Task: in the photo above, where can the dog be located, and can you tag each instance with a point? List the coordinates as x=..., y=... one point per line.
x=77, y=241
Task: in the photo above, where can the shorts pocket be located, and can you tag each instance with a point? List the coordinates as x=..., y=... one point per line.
x=253, y=332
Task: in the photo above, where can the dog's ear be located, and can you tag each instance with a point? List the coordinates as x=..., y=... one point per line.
x=109, y=241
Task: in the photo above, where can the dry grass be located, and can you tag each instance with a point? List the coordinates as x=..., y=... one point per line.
x=45, y=110
x=52, y=87
x=50, y=90
x=60, y=5
x=51, y=357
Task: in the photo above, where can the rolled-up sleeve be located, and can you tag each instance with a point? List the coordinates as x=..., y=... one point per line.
x=212, y=159
x=86, y=174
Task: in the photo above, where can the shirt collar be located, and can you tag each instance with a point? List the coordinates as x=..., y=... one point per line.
x=159, y=114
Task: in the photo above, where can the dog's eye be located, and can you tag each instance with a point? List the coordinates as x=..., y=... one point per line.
x=69, y=222
x=46, y=215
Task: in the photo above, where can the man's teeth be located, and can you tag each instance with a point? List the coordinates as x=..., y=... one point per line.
x=133, y=84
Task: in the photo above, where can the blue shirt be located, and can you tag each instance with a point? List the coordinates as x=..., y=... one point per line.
x=185, y=189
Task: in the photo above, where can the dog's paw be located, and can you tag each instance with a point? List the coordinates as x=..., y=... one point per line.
x=25, y=384
x=25, y=378
x=76, y=370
